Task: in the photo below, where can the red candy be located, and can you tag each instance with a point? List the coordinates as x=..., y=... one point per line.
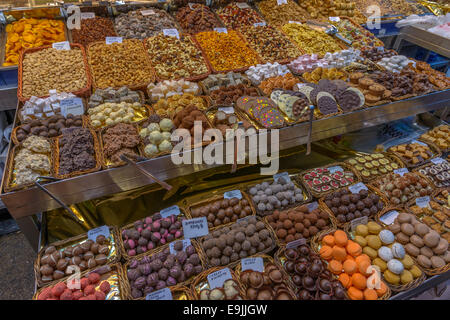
x=100, y=295
x=105, y=287
x=94, y=278
x=90, y=289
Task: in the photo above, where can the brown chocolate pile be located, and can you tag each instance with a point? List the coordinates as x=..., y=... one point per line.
x=230, y=94
x=50, y=127
x=121, y=139
x=374, y=54
x=186, y=118
x=199, y=18
x=95, y=29
x=400, y=85
x=76, y=150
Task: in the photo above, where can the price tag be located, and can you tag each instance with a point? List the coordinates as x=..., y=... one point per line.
x=162, y=1
x=423, y=201
x=356, y=222
x=197, y=227
x=232, y=194
x=335, y=169
x=221, y=30
x=171, y=33
x=87, y=15
x=94, y=233
x=228, y=110
x=72, y=106
x=438, y=160
x=295, y=22
x=419, y=142
x=186, y=243
x=401, y=171
x=334, y=19
x=389, y=217
x=312, y=206
x=110, y=40
x=259, y=24
x=167, y=212
x=382, y=32
x=216, y=279
x=191, y=5
x=356, y=188
x=242, y=5
x=163, y=294
x=295, y=243
x=147, y=12
x=255, y=264
x=284, y=175
x=380, y=49
x=65, y=45
x=280, y=2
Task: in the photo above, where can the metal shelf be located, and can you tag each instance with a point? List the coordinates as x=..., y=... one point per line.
x=31, y=201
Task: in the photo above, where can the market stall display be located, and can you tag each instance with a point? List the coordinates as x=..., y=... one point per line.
x=261, y=111
x=294, y=104
x=323, y=9
x=285, y=82
x=111, y=113
x=438, y=173
x=440, y=136
x=434, y=215
x=121, y=139
x=156, y=135
x=93, y=29
x=371, y=166
x=359, y=36
x=280, y=14
x=196, y=18
x=167, y=88
x=111, y=95
x=237, y=15
x=178, y=102
x=415, y=153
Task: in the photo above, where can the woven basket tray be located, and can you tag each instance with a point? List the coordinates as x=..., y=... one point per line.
x=142, y=86
x=84, y=92
x=139, y=92
x=427, y=141
x=438, y=193
x=344, y=166
x=433, y=148
x=117, y=285
x=371, y=189
x=432, y=179
x=121, y=245
x=97, y=155
x=268, y=259
x=126, y=282
x=9, y=167
x=113, y=257
x=200, y=282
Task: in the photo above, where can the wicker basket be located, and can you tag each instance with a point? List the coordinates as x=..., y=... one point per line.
x=97, y=155
x=385, y=211
x=84, y=92
x=121, y=245
x=200, y=282
x=344, y=166
x=126, y=282
x=10, y=167
x=438, y=192
x=116, y=268
x=268, y=259
x=114, y=255
x=433, y=148
x=431, y=178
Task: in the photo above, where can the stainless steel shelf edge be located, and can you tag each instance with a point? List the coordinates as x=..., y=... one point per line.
x=31, y=201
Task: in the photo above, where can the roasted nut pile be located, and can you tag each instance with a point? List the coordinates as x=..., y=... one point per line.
x=136, y=25
x=226, y=51
x=360, y=37
x=310, y=40
x=269, y=43
x=199, y=18
x=49, y=68
x=175, y=58
x=322, y=9
x=94, y=29
x=279, y=15
x=119, y=64
x=176, y=103
x=234, y=17
x=30, y=33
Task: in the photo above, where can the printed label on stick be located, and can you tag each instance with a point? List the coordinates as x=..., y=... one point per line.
x=221, y=30
x=216, y=279
x=72, y=106
x=64, y=45
x=186, y=243
x=167, y=212
x=232, y=194
x=280, y=2
x=401, y=171
x=356, y=222
x=94, y=233
x=242, y=5
x=356, y=188
x=389, y=217
x=438, y=160
x=227, y=110
x=334, y=19
x=147, y=12
x=171, y=33
x=285, y=175
x=259, y=24
x=110, y=40
x=419, y=142
x=163, y=294
x=197, y=227
x=255, y=264
x=312, y=206
x=423, y=201
x=335, y=169
x=87, y=15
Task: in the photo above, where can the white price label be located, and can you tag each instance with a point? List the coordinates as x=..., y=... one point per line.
x=419, y=142
x=110, y=40
x=65, y=45
x=335, y=169
x=163, y=294
x=167, y=212
x=280, y=2
x=216, y=279
x=380, y=49
x=186, y=243
x=147, y=12
x=401, y=171
x=356, y=188
x=334, y=19
x=389, y=217
x=171, y=33
x=94, y=233
x=72, y=106
x=312, y=206
x=255, y=264
x=221, y=30
x=284, y=175
x=296, y=243
x=382, y=32
x=295, y=22
x=87, y=15
x=356, y=222
x=227, y=110
x=232, y=194
x=197, y=227
x=191, y=5
x=242, y=5
x=438, y=160
x=423, y=201
x=259, y=24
